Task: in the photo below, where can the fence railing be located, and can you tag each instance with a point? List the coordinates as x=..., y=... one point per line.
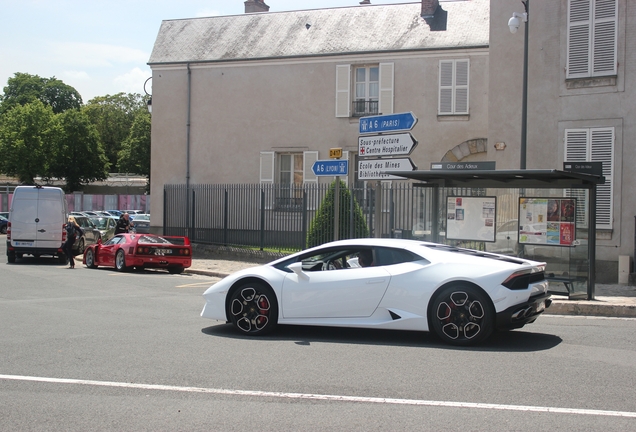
x=292, y=217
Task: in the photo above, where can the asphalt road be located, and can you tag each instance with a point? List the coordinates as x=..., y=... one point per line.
x=100, y=350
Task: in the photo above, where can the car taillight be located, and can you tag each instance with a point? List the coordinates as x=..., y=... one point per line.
x=184, y=252
x=63, y=233
x=521, y=279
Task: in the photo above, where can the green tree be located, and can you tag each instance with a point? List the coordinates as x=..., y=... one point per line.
x=113, y=117
x=25, y=88
x=80, y=158
x=27, y=133
x=134, y=156
x=322, y=227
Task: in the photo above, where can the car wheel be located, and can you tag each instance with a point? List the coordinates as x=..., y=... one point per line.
x=120, y=261
x=3, y=230
x=175, y=270
x=80, y=247
x=253, y=308
x=462, y=315
x=90, y=259
x=11, y=257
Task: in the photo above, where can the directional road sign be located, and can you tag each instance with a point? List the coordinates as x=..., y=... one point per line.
x=387, y=123
x=386, y=145
x=379, y=169
x=331, y=167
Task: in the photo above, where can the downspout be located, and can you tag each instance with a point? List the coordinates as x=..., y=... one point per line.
x=188, y=152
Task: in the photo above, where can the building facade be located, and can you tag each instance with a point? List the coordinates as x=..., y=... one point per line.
x=260, y=97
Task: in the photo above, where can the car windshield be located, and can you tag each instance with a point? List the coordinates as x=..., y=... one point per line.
x=141, y=218
x=101, y=223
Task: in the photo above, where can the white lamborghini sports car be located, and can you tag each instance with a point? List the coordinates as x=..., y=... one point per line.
x=462, y=295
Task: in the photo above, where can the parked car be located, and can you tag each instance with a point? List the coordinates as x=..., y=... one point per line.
x=114, y=212
x=106, y=226
x=91, y=234
x=125, y=251
x=5, y=215
x=461, y=295
x=141, y=222
x=3, y=224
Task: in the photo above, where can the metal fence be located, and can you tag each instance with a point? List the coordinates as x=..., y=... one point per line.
x=290, y=217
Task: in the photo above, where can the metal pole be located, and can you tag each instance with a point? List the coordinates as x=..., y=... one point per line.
x=336, y=210
x=378, y=209
x=524, y=108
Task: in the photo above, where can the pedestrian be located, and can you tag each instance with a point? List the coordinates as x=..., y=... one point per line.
x=73, y=230
x=123, y=224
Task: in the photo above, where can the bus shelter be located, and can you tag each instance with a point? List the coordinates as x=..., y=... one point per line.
x=543, y=215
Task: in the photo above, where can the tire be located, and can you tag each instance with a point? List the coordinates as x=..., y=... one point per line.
x=81, y=246
x=3, y=230
x=90, y=259
x=175, y=270
x=11, y=257
x=462, y=315
x=120, y=261
x=253, y=309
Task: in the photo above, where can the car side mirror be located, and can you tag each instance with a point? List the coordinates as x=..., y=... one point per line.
x=297, y=268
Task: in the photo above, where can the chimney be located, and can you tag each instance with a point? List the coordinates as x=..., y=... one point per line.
x=252, y=6
x=429, y=7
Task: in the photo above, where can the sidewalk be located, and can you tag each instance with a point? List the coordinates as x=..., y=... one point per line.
x=610, y=300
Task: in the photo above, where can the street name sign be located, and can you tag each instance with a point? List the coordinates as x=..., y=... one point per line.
x=463, y=166
x=386, y=145
x=387, y=123
x=379, y=169
x=331, y=167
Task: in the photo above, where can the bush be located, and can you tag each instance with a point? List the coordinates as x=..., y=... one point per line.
x=322, y=227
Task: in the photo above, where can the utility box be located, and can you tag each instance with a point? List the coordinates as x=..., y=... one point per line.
x=624, y=268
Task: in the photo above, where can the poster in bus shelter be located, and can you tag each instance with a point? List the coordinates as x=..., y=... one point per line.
x=471, y=218
x=547, y=221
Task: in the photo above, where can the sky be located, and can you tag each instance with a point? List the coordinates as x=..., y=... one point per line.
x=102, y=47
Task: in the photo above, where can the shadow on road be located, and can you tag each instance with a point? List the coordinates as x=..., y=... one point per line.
x=511, y=341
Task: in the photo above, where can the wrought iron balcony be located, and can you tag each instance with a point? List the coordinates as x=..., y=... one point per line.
x=363, y=108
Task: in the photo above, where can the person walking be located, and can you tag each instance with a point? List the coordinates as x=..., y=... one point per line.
x=123, y=224
x=73, y=230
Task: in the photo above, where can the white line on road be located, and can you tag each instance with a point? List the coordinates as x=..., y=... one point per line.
x=388, y=401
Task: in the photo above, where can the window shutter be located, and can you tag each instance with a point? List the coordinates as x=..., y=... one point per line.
x=309, y=157
x=267, y=167
x=592, y=38
x=579, y=29
x=343, y=83
x=602, y=150
x=385, y=105
x=445, y=104
x=461, y=86
x=593, y=145
x=605, y=36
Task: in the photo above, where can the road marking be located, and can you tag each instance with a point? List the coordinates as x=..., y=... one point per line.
x=388, y=401
x=207, y=284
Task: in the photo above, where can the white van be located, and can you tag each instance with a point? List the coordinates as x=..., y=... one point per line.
x=36, y=222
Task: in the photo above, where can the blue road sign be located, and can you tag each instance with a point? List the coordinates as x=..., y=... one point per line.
x=387, y=123
x=331, y=167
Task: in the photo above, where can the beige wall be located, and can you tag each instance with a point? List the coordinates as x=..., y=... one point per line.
x=239, y=110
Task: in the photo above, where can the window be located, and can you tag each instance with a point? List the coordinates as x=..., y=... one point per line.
x=593, y=145
x=367, y=91
x=453, y=87
x=372, y=91
x=290, y=171
x=592, y=36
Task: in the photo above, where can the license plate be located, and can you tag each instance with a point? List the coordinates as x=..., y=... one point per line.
x=163, y=252
x=23, y=243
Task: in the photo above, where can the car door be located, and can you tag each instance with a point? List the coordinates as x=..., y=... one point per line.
x=107, y=251
x=342, y=293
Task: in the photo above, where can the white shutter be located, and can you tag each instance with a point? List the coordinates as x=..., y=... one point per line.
x=267, y=167
x=602, y=150
x=343, y=84
x=593, y=145
x=592, y=38
x=309, y=157
x=605, y=36
x=462, y=68
x=445, y=103
x=385, y=105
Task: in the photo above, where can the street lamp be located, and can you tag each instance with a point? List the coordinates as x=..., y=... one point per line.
x=148, y=94
x=513, y=24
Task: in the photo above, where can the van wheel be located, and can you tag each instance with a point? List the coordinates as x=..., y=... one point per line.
x=11, y=257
